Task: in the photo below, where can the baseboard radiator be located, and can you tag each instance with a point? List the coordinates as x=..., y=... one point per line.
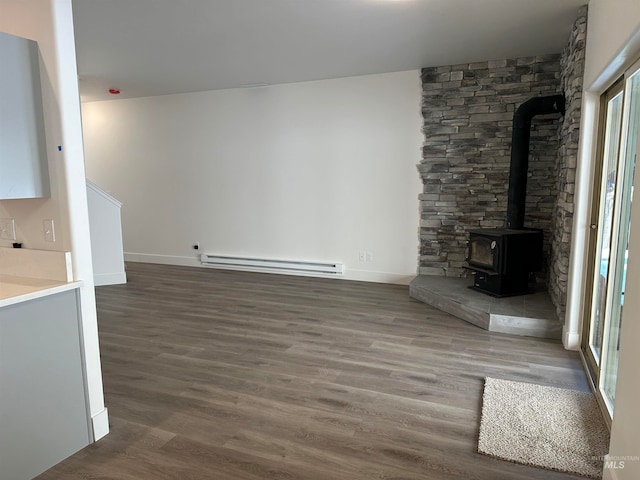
x=295, y=267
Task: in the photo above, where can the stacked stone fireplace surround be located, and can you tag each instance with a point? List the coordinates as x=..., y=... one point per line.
x=467, y=111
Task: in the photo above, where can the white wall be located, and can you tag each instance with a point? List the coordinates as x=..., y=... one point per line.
x=106, y=237
x=50, y=23
x=613, y=42
x=314, y=171
x=33, y=19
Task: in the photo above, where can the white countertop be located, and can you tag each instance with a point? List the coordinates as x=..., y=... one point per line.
x=14, y=289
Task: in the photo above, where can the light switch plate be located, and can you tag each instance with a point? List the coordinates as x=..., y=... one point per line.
x=49, y=231
x=7, y=229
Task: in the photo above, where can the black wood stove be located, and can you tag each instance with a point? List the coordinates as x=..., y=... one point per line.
x=501, y=259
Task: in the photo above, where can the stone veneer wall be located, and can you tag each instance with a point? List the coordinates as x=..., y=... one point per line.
x=571, y=75
x=468, y=111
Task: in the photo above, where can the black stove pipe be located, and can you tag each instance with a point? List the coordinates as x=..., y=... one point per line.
x=520, y=153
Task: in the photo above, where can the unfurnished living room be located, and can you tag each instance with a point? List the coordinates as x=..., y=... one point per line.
x=312, y=239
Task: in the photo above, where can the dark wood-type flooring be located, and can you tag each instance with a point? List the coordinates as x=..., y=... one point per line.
x=212, y=374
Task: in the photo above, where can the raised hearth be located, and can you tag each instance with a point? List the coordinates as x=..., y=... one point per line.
x=531, y=315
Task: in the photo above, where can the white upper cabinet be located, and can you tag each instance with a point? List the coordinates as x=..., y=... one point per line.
x=24, y=169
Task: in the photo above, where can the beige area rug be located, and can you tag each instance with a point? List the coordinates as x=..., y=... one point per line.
x=546, y=427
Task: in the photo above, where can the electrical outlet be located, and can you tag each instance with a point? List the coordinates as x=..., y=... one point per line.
x=7, y=229
x=196, y=245
x=368, y=256
x=49, y=231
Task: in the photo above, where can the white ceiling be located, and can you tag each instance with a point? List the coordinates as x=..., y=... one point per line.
x=158, y=47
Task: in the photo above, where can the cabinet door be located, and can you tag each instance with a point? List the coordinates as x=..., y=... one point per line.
x=43, y=409
x=24, y=169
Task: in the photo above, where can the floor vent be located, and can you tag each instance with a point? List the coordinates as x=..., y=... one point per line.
x=332, y=269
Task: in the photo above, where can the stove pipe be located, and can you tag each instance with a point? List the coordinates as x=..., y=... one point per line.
x=520, y=153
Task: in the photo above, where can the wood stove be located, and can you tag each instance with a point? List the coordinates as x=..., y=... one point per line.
x=503, y=258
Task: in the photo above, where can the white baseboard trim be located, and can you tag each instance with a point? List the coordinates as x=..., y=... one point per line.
x=117, y=278
x=359, y=275
x=100, y=424
x=570, y=340
x=379, y=277
x=162, y=259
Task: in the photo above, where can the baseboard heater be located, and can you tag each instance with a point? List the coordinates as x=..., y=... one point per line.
x=333, y=269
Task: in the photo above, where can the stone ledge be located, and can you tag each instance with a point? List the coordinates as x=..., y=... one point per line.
x=530, y=315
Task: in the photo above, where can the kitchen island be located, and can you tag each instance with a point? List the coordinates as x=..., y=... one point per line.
x=43, y=402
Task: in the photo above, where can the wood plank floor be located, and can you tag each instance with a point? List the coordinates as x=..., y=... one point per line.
x=213, y=374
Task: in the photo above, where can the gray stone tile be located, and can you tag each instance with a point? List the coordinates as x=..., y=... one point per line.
x=530, y=315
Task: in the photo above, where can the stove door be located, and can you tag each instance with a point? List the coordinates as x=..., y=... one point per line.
x=484, y=253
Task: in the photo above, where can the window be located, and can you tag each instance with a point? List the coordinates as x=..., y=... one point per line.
x=611, y=214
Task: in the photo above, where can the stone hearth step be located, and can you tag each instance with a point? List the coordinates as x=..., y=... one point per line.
x=531, y=315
